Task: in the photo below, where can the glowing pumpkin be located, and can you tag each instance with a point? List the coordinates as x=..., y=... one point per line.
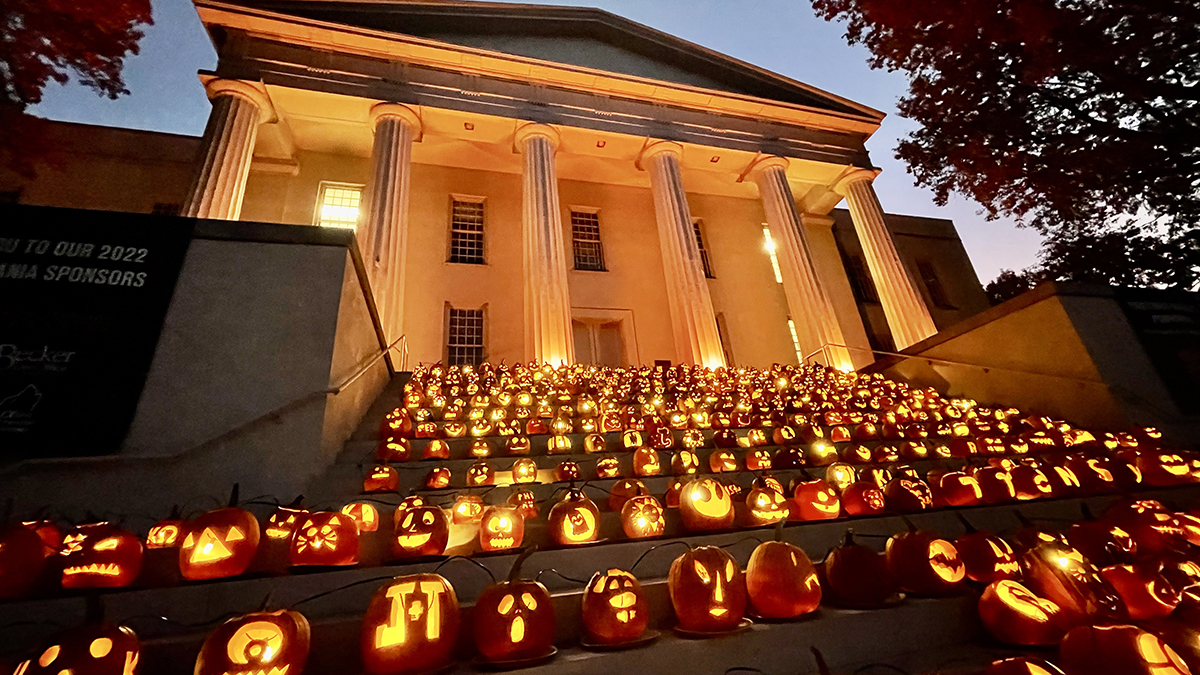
x=501, y=528
x=365, y=516
x=438, y=478
x=645, y=462
x=614, y=608
x=987, y=557
x=765, y=505
x=922, y=563
x=422, y=531
x=525, y=502
x=608, y=467
x=1014, y=615
x=815, y=500
x=467, y=509
x=513, y=620
x=382, y=478
x=642, y=516
x=411, y=626
x=480, y=473
x=100, y=555
x=781, y=582
x=705, y=504
x=1117, y=650
x=274, y=643
x=326, y=539
x=90, y=649
x=708, y=590
x=573, y=520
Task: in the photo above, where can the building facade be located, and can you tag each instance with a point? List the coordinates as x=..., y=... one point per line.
x=544, y=183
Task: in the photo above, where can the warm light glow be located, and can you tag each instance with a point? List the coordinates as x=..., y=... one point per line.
x=257, y=642
x=769, y=245
x=209, y=547
x=407, y=607
x=339, y=206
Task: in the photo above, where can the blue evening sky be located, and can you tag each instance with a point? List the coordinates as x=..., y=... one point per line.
x=780, y=35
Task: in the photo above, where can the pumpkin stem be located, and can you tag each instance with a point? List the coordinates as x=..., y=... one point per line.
x=822, y=667
x=175, y=513
x=908, y=523
x=266, y=602
x=233, y=495
x=515, y=572
x=966, y=523
x=848, y=538
x=779, y=529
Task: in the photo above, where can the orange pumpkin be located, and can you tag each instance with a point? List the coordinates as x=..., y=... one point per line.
x=573, y=520
x=815, y=500
x=987, y=557
x=705, y=504
x=642, y=516
x=922, y=563
x=857, y=576
x=411, y=626
x=90, y=649
x=1117, y=650
x=1013, y=614
x=615, y=610
x=781, y=582
x=219, y=543
x=513, y=620
x=325, y=538
x=501, y=528
x=100, y=555
x=422, y=531
x=708, y=590
x=260, y=642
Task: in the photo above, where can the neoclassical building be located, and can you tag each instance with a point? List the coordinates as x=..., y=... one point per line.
x=550, y=183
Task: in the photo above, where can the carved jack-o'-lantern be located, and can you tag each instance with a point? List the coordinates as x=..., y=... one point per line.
x=608, y=467
x=987, y=557
x=480, y=448
x=1117, y=650
x=168, y=533
x=514, y=620
x=467, y=509
x=219, y=543
x=22, y=559
x=365, y=516
x=781, y=581
x=1147, y=595
x=524, y=470
x=421, y=531
x=567, y=471
x=722, y=461
x=642, y=516
x=1059, y=573
x=765, y=505
x=517, y=445
x=436, y=449
x=594, y=443
x=758, y=459
x=438, y=478
x=284, y=520
x=271, y=643
x=614, y=608
x=525, y=502
x=91, y=649
x=863, y=498
x=1013, y=614
x=906, y=495
x=705, y=504
x=500, y=528
x=573, y=520
x=708, y=590
x=645, y=462
x=923, y=564
x=815, y=500
x=382, y=478
x=411, y=626
x=840, y=476
x=622, y=490
x=100, y=555
x=684, y=463
x=480, y=473
x=325, y=538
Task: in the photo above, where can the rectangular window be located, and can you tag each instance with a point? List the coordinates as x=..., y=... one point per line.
x=795, y=341
x=861, y=283
x=769, y=244
x=708, y=273
x=466, y=232
x=337, y=205
x=464, y=337
x=585, y=237
x=937, y=293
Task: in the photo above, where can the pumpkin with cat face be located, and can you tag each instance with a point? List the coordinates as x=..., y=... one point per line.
x=325, y=538
x=91, y=649
x=260, y=643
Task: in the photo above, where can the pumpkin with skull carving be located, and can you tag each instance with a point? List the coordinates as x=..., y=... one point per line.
x=708, y=590
x=274, y=643
x=90, y=649
x=411, y=626
x=514, y=619
x=573, y=520
x=501, y=528
x=614, y=608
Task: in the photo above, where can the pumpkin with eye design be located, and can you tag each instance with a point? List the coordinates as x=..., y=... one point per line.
x=90, y=649
x=421, y=531
x=924, y=564
x=684, y=463
x=758, y=459
x=781, y=582
x=517, y=445
x=987, y=557
x=573, y=520
x=467, y=509
x=480, y=473
x=708, y=590
x=642, y=516
x=513, y=620
x=221, y=543
x=524, y=470
x=567, y=471
x=325, y=539
x=411, y=626
x=436, y=449
x=1014, y=615
x=608, y=467
x=615, y=610
x=705, y=504
x=438, y=478
x=382, y=478
x=100, y=555
x=274, y=643
x=501, y=528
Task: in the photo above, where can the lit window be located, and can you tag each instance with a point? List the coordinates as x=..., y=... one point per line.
x=795, y=341
x=585, y=237
x=708, y=273
x=337, y=205
x=769, y=244
x=464, y=337
x=466, y=232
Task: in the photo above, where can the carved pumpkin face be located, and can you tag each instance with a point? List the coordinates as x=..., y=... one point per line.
x=722, y=461
x=270, y=643
x=411, y=626
x=642, y=516
x=325, y=538
x=987, y=558
x=815, y=500
x=781, y=581
x=1118, y=649
x=1014, y=615
x=501, y=528
x=365, y=516
x=467, y=509
x=573, y=520
x=223, y=543
x=481, y=448
x=517, y=445
x=645, y=462
x=614, y=608
x=524, y=470
x=382, y=478
x=708, y=590
x=608, y=467
x=684, y=463
x=765, y=505
x=705, y=504
x=421, y=531
x=100, y=555
x=438, y=478
x=514, y=620
x=567, y=471
x=91, y=649
x=283, y=521
x=480, y=473
x=525, y=502
x=758, y=459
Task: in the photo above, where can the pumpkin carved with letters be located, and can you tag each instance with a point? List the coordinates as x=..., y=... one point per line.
x=411, y=626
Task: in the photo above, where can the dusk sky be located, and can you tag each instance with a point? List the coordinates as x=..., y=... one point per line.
x=781, y=35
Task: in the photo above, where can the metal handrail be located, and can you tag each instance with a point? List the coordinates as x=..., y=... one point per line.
x=335, y=390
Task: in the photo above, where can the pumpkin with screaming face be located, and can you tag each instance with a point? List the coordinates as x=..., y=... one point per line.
x=91, y=649
x=614, y=608
x=514, y=619
x=411, y=626
x=708, y=590
x=573, y=520
x=262, y=643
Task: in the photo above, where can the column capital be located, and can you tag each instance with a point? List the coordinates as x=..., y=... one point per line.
x=398, y=111
x=527, y=131
x=767, y=162
x=655, y=148
x=855, y=175
x=253, y=92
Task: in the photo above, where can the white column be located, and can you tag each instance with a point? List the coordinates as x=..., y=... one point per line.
x=907, y=316
x=808, y=303
x=692, y=318
x=548, y=336
x=383, y=236
x=227, y=148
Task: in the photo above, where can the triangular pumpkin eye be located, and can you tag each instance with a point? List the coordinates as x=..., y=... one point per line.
x=234, y=534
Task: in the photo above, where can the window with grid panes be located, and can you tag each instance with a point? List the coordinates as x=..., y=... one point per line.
x=466, y=232
x=337, y=205
x=585, y=236
x=708, y=273
x=464, y=340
